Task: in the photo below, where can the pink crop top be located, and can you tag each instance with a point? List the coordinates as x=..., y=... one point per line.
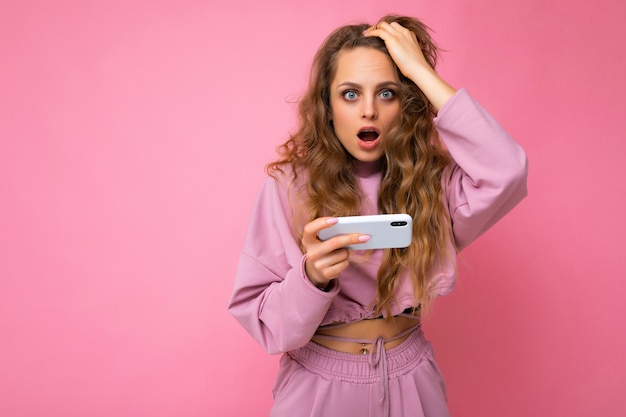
x=278, y=305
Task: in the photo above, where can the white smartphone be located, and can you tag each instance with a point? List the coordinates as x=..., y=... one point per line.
x=386, y=230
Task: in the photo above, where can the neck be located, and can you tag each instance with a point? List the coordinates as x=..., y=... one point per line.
x=367, y=169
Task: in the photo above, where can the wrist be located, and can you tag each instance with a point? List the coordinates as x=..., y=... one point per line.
x=436, y=89
x=322, y=286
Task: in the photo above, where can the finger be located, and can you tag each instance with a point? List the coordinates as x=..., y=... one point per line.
x=326, y=260
x=377, y=27
x=341, y=241
x=397, y=26
x=311, y=229
x=409, y=34
x=329, y=266
x=333, y=271
x=388, y=26
x=387, y=31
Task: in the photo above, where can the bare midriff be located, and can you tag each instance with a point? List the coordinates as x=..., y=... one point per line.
x=371, y=329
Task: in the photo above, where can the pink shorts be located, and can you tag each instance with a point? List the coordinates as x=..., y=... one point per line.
x=314, y=381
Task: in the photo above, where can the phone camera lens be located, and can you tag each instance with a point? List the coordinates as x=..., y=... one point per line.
x=397, y=224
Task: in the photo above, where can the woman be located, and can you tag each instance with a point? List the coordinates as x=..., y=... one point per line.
x=380, y=132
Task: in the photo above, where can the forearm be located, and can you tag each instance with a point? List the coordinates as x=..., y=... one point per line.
x=281, y=314
x=436, y=89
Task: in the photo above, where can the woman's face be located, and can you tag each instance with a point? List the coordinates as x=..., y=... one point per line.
x=364, y=101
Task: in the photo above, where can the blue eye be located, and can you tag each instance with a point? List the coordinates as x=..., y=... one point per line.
x=350, y=95
x=387, y=94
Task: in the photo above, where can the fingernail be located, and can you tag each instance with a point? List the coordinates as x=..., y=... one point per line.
x=331, y=220
x=364, y=238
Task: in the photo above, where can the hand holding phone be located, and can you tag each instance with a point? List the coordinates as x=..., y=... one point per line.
x=386, y=230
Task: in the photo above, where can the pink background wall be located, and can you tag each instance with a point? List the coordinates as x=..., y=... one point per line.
x=133, y=136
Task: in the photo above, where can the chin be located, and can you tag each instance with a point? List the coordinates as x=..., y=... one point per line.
x=368, y=158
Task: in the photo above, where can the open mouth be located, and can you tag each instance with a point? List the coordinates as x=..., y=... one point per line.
x=368, y=135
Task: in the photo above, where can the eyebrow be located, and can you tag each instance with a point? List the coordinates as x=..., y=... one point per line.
x=380, y=85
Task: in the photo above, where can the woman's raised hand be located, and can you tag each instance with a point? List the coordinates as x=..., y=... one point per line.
x=403, y=47
x=325, y=260
x=407, y=54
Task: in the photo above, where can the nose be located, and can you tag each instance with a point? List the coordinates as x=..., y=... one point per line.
x=369, y=110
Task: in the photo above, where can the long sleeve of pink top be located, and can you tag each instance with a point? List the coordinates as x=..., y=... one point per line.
x=274, y=300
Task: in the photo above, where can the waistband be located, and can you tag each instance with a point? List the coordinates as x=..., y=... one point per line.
x=357, y=368
x=378, y=366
